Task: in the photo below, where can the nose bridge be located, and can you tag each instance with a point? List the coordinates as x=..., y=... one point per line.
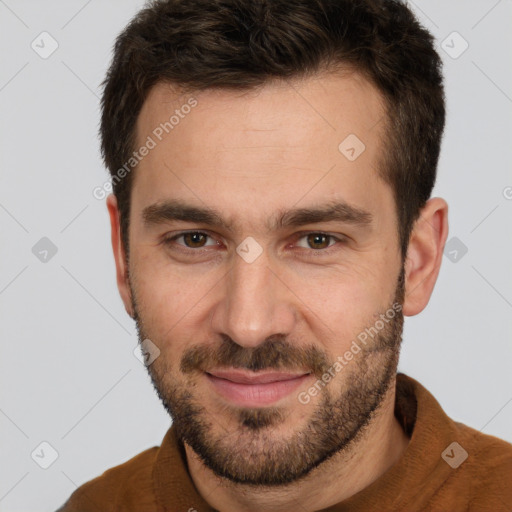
x=254, y=305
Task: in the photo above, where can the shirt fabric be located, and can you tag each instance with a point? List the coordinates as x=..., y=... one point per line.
x=433, y=474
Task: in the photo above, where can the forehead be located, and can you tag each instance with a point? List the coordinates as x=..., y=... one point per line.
x=339, y=101
x=283, y=143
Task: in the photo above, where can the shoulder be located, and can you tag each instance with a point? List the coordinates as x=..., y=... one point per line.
x=487, y=452
x=104, y=491
x=488, y=466
x=474, y=469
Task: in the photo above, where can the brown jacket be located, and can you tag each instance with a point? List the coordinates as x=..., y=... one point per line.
x=434, y=474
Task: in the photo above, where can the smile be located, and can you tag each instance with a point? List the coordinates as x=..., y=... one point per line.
x=254, y=389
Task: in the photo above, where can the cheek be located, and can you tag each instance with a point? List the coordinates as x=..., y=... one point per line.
x=338, y=307
x=171, y=300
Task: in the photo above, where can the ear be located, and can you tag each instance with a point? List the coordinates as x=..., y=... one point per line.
x=424, y=255
x=119, y=254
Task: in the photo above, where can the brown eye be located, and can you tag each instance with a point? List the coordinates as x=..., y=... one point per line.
x=194, y=240
x=190, y=240
x=318, y=240
x=318, y=243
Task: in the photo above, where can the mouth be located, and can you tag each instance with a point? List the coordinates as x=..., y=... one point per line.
x=254, y=389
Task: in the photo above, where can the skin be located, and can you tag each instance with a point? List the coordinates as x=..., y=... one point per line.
x=249, y=155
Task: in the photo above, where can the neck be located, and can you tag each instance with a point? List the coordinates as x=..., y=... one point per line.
x=349, y=471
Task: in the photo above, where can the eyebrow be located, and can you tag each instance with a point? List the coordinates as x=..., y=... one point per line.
x=334, y=211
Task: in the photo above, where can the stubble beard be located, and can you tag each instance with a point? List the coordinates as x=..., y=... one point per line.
x=241, y=444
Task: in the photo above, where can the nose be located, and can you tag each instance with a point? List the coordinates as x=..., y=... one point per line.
x=255, y=304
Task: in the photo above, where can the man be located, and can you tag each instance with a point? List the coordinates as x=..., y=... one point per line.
x=272, y=164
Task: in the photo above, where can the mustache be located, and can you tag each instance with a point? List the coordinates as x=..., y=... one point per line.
x=274, y=353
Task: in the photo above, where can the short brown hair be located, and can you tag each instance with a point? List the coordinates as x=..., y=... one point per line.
x=243, y=44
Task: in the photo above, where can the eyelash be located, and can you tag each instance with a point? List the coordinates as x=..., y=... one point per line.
x=168, y=241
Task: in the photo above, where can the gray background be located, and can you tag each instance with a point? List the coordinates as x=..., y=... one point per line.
x=68, y=373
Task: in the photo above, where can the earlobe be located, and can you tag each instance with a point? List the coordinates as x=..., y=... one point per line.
x=119, y=254
x=424, y=255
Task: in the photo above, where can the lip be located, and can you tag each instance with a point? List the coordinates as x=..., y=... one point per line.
x=254, y=389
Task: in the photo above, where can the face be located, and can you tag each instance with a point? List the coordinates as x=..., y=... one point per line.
x=265, y=267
